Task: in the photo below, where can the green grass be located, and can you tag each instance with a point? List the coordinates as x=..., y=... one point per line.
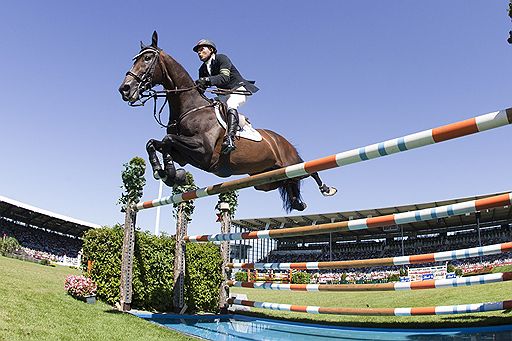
x=34, y=306
x=389, y=299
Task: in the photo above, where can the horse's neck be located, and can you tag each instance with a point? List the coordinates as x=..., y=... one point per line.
x=180, y=101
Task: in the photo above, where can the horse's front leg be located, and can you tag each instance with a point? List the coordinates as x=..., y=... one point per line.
x=178, y=176
x=152, y=147
x=168, y=174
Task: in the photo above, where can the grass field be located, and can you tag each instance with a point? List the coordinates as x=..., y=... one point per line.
x=390, y=299
x=34, y=306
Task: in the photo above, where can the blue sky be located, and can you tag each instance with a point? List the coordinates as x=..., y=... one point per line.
x=334, y=76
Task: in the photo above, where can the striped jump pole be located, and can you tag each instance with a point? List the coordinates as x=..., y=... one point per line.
x=438, y=310
x=365, y=223
x=451, y=131
x=390, y=261
x=397, y=286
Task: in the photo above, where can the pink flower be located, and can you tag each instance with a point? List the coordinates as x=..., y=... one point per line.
x=79, y=286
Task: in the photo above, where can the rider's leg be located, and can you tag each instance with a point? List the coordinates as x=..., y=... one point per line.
x=228, y=144
x=233, y=101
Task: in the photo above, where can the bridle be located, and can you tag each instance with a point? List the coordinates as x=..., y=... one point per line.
x=146, y=92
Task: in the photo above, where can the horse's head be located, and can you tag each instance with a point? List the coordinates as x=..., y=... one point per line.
x=145, y=72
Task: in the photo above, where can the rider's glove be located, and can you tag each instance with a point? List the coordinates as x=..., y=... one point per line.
x=203, y=82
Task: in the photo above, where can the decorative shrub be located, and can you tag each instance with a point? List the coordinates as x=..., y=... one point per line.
x=8, y=245
x=79, y=286
x=300, y=277
x=241, y=276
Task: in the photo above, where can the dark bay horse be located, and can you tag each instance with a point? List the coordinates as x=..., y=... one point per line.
x=197, y=136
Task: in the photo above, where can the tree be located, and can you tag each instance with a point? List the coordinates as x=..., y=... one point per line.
x=187, y=207
x=133, y=182
x=509, y=40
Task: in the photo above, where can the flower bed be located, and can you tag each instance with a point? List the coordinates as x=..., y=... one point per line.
x=80, y=287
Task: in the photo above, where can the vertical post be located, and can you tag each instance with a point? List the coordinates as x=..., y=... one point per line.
x=225, y=221
x=127, y=259
x=402, y=235
x=179, y=261
x=477, y=214
x=330, y=247
x=157, y=219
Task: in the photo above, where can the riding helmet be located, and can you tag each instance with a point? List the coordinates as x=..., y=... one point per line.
x=205, y=42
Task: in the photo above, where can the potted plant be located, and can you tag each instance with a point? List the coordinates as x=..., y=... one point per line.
x=81, y=287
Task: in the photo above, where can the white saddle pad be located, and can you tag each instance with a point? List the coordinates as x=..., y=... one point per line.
x=246, y=130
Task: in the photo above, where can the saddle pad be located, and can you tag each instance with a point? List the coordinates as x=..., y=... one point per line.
x=246, y=130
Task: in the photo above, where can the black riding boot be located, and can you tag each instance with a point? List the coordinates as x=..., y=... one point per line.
x=228, y=145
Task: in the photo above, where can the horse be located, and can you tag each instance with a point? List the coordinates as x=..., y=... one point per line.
x=195, y=137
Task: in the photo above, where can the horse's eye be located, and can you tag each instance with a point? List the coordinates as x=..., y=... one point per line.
x=148, y=57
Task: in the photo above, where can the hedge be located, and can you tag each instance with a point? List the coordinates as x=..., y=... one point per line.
x=153, y=265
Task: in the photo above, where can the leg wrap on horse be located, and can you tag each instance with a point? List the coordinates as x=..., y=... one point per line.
x=228, y=145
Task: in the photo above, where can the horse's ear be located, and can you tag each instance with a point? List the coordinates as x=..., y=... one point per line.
x=154, y=39
x=142, y=46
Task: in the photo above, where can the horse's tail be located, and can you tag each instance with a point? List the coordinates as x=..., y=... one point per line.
x=290, y=193
x=290, y=188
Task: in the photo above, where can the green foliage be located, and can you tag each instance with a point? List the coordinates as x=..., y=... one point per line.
x=393, y=278
x=103, y=247
x=241, y=276
x=203, y=277
x=301, y=277
x=187, y=206
x=133, y=181
x=8, y=245
x=231, y=198
x=153, y=266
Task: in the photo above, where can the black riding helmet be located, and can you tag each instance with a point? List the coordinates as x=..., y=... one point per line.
x=205, y=42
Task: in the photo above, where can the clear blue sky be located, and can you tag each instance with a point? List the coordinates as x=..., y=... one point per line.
x=334, y=75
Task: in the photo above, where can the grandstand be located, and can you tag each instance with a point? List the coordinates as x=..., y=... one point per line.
x=41, y=233
x=485, y=227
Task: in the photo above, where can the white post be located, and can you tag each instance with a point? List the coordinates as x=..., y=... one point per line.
x=157, y=222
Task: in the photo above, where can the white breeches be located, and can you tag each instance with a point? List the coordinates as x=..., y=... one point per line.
x=233, y=101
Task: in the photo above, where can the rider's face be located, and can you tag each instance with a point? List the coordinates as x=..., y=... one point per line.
x=204, y=53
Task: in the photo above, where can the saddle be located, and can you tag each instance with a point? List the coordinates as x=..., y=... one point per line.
x=245, y=131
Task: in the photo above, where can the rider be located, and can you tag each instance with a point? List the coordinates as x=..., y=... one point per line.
x=217, y=70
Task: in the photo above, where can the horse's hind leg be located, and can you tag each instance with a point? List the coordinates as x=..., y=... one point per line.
x=324, y=189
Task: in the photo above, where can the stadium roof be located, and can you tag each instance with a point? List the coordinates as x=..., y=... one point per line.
x=488, y=217
x=34, y=216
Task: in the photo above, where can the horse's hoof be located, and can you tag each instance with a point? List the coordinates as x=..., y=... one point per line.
x=181, y=177
x=299, y=206
x=327, y=191
x=159, y=174
x=167, y=181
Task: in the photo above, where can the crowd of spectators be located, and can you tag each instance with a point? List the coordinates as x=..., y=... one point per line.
x=42, y=244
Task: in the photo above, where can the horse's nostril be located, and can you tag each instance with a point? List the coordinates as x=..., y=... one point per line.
x=124, y=88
